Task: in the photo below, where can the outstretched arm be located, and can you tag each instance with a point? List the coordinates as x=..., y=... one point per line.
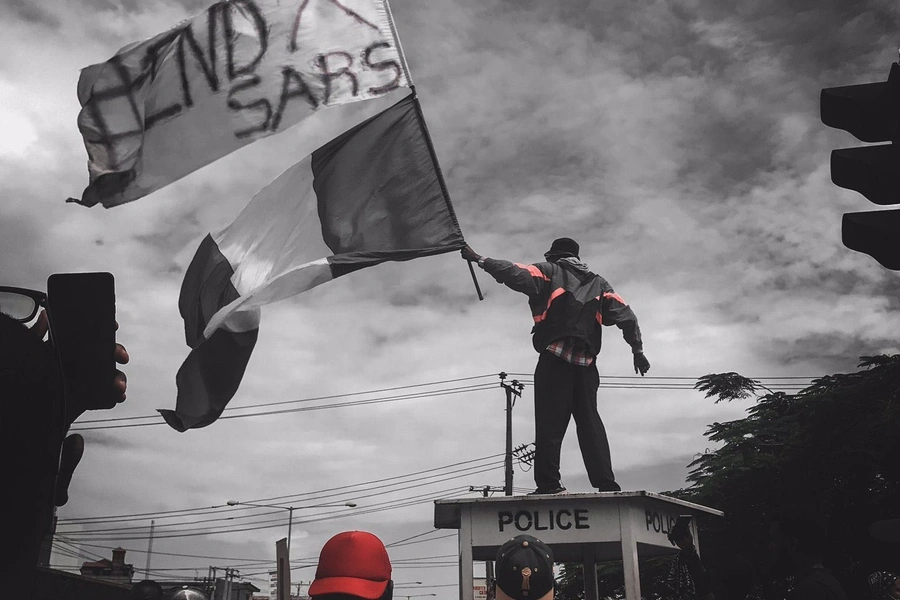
x=615, y=311
x=527, y=279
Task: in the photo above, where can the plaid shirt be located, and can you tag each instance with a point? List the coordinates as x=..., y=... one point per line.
x=572, y=351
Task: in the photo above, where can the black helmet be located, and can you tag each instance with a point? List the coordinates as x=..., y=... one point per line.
x=187, y=593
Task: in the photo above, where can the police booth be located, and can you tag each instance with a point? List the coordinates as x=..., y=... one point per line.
x=585, y=528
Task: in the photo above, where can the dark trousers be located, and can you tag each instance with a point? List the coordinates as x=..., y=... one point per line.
x=561, y=391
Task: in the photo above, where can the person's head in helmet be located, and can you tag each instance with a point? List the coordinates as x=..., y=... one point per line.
x=186, y=593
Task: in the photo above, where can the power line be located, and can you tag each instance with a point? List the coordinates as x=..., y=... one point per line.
x=436, y=561
x=645, y=377
x=330, y=397
x=292, y=497
x=268, y=524
x=413, y=396
x=669, y=386
x=629, y=382
x=416, y=562
x=440, y=537
x=412, y=537
x=283, y=499
x=80, y=543
x=162, y=527
x=397, y=544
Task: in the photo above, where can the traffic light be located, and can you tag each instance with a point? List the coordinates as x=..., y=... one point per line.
x=871, y=112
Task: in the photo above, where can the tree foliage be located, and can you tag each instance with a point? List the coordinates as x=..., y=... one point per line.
x=834, y=445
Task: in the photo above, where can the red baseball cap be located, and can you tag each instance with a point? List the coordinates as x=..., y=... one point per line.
x=354, y=563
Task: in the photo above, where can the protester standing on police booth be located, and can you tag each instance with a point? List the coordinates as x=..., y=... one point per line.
x=569, y=305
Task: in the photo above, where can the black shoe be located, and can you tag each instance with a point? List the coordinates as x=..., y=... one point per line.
x=610, y=487
x=548, y=491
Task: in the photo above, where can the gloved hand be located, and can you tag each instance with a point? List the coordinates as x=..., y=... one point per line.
x=469, y=254
x=641, y=364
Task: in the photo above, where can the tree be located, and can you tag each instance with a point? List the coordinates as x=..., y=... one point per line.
x=834, y=444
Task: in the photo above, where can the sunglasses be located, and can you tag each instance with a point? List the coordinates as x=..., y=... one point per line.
x=20, y=304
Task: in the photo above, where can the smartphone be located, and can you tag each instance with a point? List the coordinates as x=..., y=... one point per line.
x=82, y=312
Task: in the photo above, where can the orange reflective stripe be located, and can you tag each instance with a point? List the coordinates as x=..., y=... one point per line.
x=615, y=296
x=533, y=271
x=556, y=294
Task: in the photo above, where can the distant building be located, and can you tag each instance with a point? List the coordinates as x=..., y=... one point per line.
x=204, y=585
x=240, y=590
x=214, y=589
x=116, y=570
x=273, y=589
x=53, y=584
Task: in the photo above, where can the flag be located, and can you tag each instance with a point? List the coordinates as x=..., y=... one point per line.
x=371, y=195
x=243, y=70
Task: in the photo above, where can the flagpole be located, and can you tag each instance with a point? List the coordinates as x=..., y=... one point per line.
x=440, y=175
x=475, y=281
x=437, y=165
x=390, y=18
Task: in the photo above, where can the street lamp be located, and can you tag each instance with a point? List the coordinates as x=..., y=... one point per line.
x=290, y=510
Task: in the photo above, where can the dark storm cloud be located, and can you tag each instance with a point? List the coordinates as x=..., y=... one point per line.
x=176, y=230
x=32, y=13
x=23, y=259
x=816, y=37
x=439, y=296
x=831, y=352
x=138, y=6
x=665, y=475
x=812, y=36
x=100, y=441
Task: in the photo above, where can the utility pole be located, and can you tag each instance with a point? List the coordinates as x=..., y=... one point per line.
x=149, y=550
x=513, y=390
x=229, y=577
x=290, y=525
x=525, y=454
x=212, y=577
x=485, y=490
x=208, y=582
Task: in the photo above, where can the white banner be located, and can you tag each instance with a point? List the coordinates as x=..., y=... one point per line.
x=241, y=71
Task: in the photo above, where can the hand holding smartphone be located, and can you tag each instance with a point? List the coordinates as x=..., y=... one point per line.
x=82, y=311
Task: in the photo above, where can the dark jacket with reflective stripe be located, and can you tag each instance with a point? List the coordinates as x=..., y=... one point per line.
x=567, y=300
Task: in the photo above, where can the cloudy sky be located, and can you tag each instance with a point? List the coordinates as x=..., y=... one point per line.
x=679, y=143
